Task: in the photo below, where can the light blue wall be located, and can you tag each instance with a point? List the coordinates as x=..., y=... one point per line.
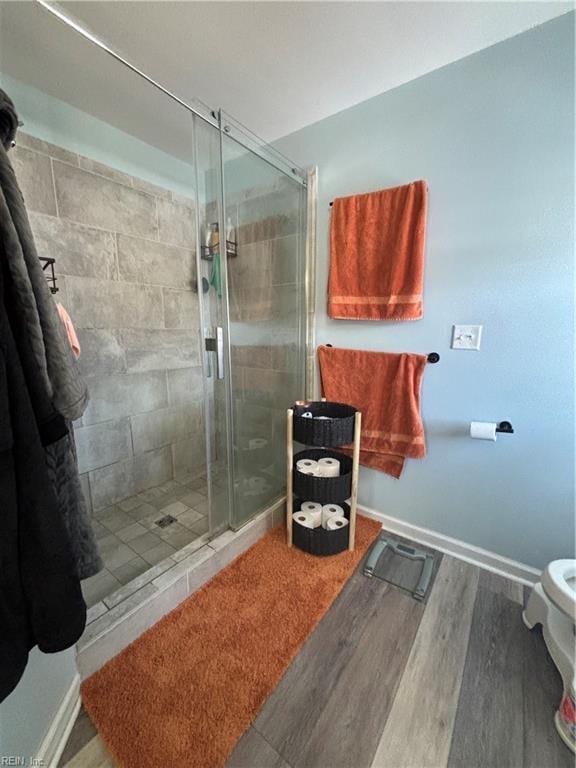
x=493, y=136
x=27, y=714
x=53, y=120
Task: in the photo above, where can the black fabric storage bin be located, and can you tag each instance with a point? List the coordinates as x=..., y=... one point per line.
x=323, y=489
x=319, y=541
x=339, y=430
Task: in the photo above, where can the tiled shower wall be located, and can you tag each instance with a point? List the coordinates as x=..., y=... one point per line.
x=125, y=263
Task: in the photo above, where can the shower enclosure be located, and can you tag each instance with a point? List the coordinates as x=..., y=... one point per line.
x=179, y=252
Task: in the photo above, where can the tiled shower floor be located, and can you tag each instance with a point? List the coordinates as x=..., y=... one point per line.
x=143, y=531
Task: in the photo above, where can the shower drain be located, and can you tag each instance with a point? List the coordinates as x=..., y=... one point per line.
x=165, y=521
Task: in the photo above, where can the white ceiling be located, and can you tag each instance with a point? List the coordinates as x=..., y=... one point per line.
x=278, y=66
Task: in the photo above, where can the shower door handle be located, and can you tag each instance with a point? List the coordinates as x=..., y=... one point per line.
x=216, y=344
x=219, y=352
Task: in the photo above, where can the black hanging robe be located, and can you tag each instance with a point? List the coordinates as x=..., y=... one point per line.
x=41, y=601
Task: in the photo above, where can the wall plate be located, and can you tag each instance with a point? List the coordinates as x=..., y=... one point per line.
x=466, y=336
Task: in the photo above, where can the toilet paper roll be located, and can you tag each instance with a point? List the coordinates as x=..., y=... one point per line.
x=483, y=430
x=303, y=464
x=348, y=501
x=307, y=415
x=329, y=511
x=311, y=506
x=257, y=442
x=304, y=519
x=323, y=418
x=314, y=509
x=329, y=467
x=328, y=471
x=309, y=471
x=316, y=517
x=328, y=461
x=336, y=522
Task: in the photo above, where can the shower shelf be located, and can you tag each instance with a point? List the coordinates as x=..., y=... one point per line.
x=319, y=541
x=207, y=252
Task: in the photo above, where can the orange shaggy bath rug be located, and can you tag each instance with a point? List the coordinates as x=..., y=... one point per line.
x=185, y=691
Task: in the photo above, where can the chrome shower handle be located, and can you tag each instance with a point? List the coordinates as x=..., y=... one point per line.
x=219, y=352
x=216, y=344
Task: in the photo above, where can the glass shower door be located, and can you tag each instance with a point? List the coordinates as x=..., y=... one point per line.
x=192, y=349
x=264, y=220
x=212, y=291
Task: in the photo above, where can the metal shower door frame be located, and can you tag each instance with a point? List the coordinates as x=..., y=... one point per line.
x=236, y=133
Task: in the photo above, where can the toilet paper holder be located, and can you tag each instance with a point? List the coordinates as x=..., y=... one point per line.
x=505, y=427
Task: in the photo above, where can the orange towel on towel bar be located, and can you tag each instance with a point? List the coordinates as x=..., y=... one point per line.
x=385, y=387
x=377, y=254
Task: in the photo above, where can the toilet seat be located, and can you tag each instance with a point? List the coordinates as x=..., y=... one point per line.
x=555, y=582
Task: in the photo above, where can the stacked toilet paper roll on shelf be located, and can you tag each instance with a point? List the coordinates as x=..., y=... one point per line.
x=327, y=467
x=312, y=514
x=308, y=415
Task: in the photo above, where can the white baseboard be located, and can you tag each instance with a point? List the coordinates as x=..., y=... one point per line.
x=55, y=740
x=490, y=561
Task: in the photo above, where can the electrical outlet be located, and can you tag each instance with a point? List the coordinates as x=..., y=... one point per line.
x=466, y=336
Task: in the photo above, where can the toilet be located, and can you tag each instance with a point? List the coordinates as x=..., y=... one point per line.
x=552, y=604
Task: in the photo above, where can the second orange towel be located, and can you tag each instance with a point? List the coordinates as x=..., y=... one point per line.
x=386, y=388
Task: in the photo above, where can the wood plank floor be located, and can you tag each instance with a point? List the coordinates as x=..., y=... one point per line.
x=425, y=706
x=355, y=658
x=388, y=682
x=489, y=722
